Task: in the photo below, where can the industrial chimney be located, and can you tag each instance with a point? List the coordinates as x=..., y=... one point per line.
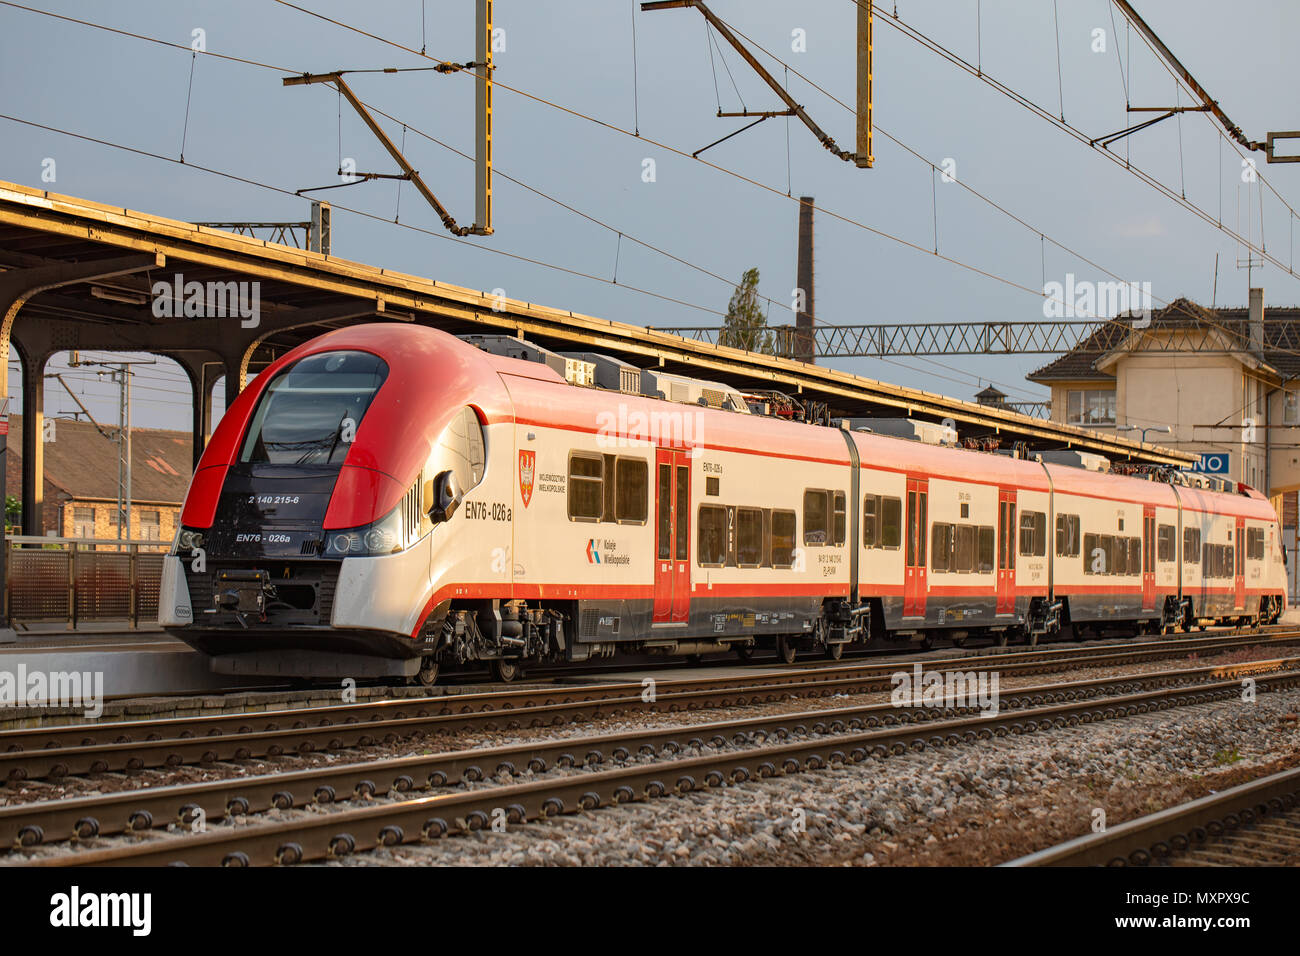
x=1256, y=322
x=805, y=316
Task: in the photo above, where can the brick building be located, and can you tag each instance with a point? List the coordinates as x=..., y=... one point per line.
x=81, y=479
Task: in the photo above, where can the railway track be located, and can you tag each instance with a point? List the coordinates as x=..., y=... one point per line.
x=1256, y=823
x=755, y=747
x=55, y=752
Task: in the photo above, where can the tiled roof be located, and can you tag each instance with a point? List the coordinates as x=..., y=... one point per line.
x=82, y=463
x=1281, y=339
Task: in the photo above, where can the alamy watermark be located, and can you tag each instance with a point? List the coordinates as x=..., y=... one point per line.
x=918, y=688
x=1084, y=299
x=179, y=299
x=37, y=688
x=668, y=428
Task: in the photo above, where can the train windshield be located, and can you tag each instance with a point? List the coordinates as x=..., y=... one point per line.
x=310, y=412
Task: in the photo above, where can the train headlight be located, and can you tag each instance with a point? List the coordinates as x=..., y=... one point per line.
x=186, y=541
x=346, y=542
x=382, y=537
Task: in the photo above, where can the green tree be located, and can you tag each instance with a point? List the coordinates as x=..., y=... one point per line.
x=745, y=326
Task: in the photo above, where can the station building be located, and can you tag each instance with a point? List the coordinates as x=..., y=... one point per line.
x=1221, y=383
x=81, y=479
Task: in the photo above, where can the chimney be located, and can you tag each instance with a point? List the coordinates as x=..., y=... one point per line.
x=1256, y=322
x=805, y=317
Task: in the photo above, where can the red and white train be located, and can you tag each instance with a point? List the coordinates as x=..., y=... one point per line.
x=387, y=499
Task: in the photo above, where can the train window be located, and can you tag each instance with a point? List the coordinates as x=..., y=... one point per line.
x=1067, y=536
x=1191, y=545
x=632, y=494
x=1033, y=533
x=816, y=518
x=782, y=539
x=839, y=513
x=871, y=521
x=963, y=549
x=682, y=510
x=665, y=535
x=586, y=487
x=310, y=412
x=965, y=509
x=749, y=537
x=1109, y=552
x=1091, y=545
x=1165, y=541
x=711, y=551
x=1135, y=556
x=985, y=550
x=941, y=538
x=712, y=486
x=891, y=523
x=1255, y=544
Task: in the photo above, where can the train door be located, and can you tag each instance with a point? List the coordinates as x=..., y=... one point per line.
x=1148, y=557
x=1006, y=551
x=1239, y=566
x=914, y=581
x=672, y=590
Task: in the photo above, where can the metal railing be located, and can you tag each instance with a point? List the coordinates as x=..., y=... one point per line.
x=82, y=579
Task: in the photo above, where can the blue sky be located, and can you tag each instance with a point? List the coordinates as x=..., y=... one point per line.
x=579, y=53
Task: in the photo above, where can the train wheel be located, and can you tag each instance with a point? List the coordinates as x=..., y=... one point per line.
x=745, y=652
x=428, y=674
x=785, y=649
x=504, y=670
x=835, y=651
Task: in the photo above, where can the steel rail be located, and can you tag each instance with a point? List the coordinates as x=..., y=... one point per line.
x=44, y=821
x=517, y=699
x=1158, y=836
x=407, y=821
x=45, y=752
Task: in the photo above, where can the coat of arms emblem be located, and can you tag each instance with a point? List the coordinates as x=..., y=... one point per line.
x=527, y=468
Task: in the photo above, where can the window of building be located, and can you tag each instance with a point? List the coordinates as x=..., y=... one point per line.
x=711, y=550
x=83, y=522
x=150, y=525
x=1291, y=408
x=782, y=555
x=1090, y=407
x=1191, y=545
x=1033, y=533
x=1166, y=538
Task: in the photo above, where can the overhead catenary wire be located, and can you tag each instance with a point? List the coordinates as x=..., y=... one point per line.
x=575, y=113
x=574, y=272
x=1042, y=112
